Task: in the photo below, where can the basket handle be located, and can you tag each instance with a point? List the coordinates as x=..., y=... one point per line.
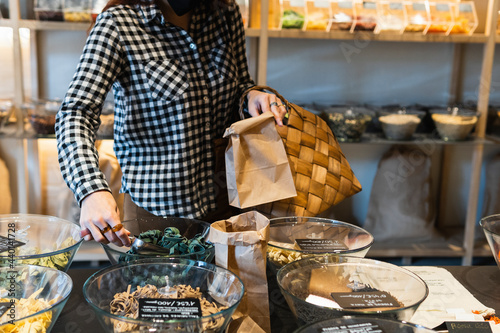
x=245, y=93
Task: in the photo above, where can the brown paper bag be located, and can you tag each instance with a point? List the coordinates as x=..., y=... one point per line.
x=257, y=168
x=240, y=246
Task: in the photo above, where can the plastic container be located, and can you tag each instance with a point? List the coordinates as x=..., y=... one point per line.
x=418, y=16
x=366, y=16
x=215, y=284
x=366, y=324
x=49, y=10
x=465, y=18
x=48, y=241
x=42, y=285
x=442, y=18
x=342, y=15
x=491, y=228
x=317, y=15
x=77, y=10
x=348, y=123
x=312, y=288
x=188, y=228
x=293, y=14
x=454, y=124
x=295, y=238
x=391, y=17
x=400, y=124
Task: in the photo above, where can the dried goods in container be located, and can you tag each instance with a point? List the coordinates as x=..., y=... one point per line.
x=391, y=17
x=342, y=17
x=365, y=16
x=465, y=18
x=442, y=18
x=317, y=15
x=293, y=13
x=49, y=10
x=418, y=16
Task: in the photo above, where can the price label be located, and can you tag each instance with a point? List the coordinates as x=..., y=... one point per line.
x=322, y=3
x=165, y=308
x=9, y=243
x=369, y=5
x=465, y=7
x=345, y=4
x=325, y=245
x=365, y=299
x=419, y=7
x=442, y=7
x=354, y=328
x=468, y=327
x=396, y=6
x=297, y=3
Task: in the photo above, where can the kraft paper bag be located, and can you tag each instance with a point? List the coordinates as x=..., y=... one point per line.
x=240, y=246
x=257, y=167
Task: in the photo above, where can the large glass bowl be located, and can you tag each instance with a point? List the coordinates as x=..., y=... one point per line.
x=364, y=324
x=188, y=228
x=34, y=287
x=49, y=241
x=491, y=229
x=286, y=234
x=310, y=285
x=216, y=284
x=348, y=123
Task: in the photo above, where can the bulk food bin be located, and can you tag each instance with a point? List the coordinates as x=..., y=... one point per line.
x=113, y=295
x=187, y=239
x=295, y=238
x=39, y=240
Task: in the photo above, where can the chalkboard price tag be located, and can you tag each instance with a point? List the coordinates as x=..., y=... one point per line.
x=8, y=243
x=367, y=327
x=365, y=299
x=166, y=308
x=325, y=245
x=468, y=327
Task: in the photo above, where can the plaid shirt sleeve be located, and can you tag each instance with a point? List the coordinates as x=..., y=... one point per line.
x=78, y=118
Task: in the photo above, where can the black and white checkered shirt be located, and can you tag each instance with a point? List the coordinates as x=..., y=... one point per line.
x=174, y=93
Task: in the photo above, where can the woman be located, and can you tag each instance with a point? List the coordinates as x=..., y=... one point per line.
x=177, y=69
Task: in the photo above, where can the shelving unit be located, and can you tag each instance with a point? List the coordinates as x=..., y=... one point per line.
x=463, y=245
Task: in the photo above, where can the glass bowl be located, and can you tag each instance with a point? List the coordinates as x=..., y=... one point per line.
x=188, y=228
x=42, y=291
x=348, y=123
x=295, y=238
x=491, y=229
x=42, y=115
x=216, y=284
x=365, y=324
x=313, y=286
x=454, y=124
x=48, y=241
x=401, y=124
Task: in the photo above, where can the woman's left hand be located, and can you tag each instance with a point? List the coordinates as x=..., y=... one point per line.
x=260, y=102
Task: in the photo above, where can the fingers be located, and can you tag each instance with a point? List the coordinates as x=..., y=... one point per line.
x=278, y=109
x=106, y=233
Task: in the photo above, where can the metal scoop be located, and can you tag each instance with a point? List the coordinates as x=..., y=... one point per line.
x=141, y=247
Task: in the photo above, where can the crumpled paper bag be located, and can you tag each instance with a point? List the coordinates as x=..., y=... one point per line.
x=240, y=246
x=257, y=167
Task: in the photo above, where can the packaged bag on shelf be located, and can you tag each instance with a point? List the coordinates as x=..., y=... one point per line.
x=401, y=205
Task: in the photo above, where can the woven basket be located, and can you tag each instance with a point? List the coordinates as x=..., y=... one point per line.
x=322, y=174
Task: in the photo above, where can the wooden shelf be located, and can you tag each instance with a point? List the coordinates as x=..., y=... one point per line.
x=53, y=25
x=365, y=35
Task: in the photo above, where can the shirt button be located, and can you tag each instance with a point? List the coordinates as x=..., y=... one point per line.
x=207, y=126
x=205, y=99
x=200, y=71
x=192, y=46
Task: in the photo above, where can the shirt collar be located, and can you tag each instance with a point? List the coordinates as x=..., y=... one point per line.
x=149, y=13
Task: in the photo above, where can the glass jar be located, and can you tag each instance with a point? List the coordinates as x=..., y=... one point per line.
x=293, y=14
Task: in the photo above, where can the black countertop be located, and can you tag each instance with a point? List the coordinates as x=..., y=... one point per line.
x=78, y=317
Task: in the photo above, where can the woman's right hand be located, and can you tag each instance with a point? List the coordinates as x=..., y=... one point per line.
x=98, y=211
